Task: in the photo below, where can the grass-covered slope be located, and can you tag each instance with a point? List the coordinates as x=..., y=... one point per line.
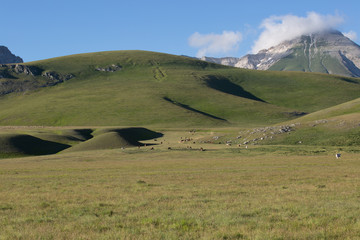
x=304, y=92
x=343, y=110
x=338, y=125
x=12, y=145
x=27, y=141
x=115, y=138
x=137, y=88
x=334, y=126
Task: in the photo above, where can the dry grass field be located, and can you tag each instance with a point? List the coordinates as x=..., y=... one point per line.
x=224, y=192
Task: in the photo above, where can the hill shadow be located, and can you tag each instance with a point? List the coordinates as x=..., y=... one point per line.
x=348, y=80
x=187, y=107
x=135, y=134
x=31, y=145
x=225, y=85
x=84, y=134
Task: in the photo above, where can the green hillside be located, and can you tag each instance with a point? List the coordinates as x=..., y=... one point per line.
x=339, y=111
x=335, y=126
x=138, y=88
x=28, y=141
x=338, y=125
x=14, y=145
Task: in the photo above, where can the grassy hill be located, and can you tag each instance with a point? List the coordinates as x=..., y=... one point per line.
x=29, y=141
x=338, y=125
x=138, y=88
x=335, y=126
x=340, y=111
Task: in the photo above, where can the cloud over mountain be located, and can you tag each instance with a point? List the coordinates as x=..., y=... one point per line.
x=351, y=35
x=277, y=29
x=212, y=43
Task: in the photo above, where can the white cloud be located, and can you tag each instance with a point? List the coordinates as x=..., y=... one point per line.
x=351, y=35
x=210, y=44
x=281, y=28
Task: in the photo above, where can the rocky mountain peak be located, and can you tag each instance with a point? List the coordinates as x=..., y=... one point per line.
x=327, y=52
x=7, y=57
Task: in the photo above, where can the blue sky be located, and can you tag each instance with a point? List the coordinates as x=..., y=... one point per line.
x=41, y=29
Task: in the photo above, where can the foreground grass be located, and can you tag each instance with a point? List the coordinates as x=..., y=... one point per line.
x=181, y=194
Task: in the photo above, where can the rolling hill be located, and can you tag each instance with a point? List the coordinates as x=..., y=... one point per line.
x=334, y=126
x=139, y=88
x=25, y=141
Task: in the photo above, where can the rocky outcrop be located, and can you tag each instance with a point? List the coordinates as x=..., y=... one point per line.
x=7, y=57
x=57, y=77
x=10, y=71
x=21, y=78
x=23, y=69
x=111, y=68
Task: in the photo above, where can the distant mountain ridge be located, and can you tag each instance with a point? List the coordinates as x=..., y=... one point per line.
x=325, y=52
x=7, y=57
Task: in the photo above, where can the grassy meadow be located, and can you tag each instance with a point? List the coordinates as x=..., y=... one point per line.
x=224, y=192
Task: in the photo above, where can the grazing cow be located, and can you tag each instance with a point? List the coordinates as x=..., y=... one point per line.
x=338, y=155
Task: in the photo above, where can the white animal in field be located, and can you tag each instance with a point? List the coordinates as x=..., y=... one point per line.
x=338, y=155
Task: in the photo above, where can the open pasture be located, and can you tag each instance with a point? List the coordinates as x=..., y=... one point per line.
x=224, y=192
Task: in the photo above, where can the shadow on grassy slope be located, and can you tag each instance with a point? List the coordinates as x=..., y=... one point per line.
x=137, y=133
x=80, y=134
x=29, y=145
x=349, y=80
x=187, y=107
x=225, y=85
x=48, y=142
